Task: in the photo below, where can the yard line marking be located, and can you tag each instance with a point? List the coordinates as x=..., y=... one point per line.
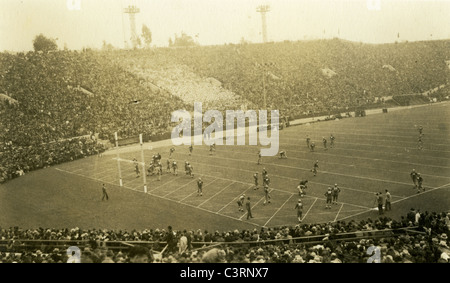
x=356, y=214
x=326, y=172
x=176, y=178
x=309, y=209
x=240, y=218
x=358, y=157
x=194, y=191
x=233, y=200
x=342, y=205
x=352, y=133
x=161, y=197
x=216, y=194
x=427, y=191
x=227, y=179
x=193, y=180
x=278, y=210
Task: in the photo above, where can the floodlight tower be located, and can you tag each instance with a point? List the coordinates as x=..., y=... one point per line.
x=263, y=9
x=132, y=11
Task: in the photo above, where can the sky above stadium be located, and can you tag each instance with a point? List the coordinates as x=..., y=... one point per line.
x=213, y=22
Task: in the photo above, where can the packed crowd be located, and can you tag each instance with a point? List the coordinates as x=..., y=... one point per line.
x=62, y=99
x=49, y=99
x=427, y=243
x=294, y=76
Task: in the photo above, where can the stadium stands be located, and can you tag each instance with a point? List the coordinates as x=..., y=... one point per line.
x=337, y=242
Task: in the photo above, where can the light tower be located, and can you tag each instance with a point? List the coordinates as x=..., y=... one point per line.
x=132, y=11
x=263, y=9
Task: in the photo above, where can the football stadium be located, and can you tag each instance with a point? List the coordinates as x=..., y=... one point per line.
x=90, y=170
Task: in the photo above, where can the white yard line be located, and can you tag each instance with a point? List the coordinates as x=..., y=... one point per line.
x=278, y=210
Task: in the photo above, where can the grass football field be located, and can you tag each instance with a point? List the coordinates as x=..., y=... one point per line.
x=371, y=154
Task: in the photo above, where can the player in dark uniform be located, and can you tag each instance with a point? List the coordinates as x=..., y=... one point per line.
x=212, y=148
x=168, y=165
x=303, y=186
x=151, y=169
x=136, y=168
x=159, y=171
x=420, y=142
x=199, y=187
x=172, y=150
x=248, y=206
x=413, y=175
x=266, y=180
x=266, y=193
x=191, y=171
x=191, y=148
x=419, y=183
x=186, y=167
x=283, y=154
x=175, y=167
x=312, y=146
x=315, y=166
x=329, y=196
x=264, y=173
x=255, y=177
x=332, y=141
x=301, y=191
x=105, y=194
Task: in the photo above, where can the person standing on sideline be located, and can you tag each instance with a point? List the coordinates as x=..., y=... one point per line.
x=387, y=205
x=380, y=203
x=248, y=206
x=299, y=207
x=105, y=193
x=200, y=187
x=259, y=157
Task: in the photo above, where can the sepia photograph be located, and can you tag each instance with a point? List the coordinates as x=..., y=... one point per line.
x=191, y=132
